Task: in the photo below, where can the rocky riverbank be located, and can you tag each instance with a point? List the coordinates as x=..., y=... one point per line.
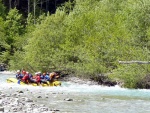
x=19, y=102
x=97, y=80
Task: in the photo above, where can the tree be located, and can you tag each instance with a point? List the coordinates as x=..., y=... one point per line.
x=2, y=35
x=43, y=49
x=2, y=9
x=13, y=29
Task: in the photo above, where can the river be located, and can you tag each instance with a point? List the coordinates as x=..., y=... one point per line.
x=85, y=98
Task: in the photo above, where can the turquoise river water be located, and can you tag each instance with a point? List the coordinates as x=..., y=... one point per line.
x=85, y=98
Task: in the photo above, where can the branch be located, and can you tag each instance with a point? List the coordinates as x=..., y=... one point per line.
x=131, y=62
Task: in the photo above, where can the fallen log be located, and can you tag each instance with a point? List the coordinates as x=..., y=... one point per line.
x=132, y=62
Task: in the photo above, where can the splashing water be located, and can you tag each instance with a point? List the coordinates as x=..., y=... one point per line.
x=85, y=98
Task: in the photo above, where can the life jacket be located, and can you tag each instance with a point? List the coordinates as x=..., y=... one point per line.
x=38, y=79
x=19, y=76
x=25, y=78
x=46, y=77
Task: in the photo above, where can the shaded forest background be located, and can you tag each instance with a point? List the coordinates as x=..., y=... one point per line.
x=85, y=37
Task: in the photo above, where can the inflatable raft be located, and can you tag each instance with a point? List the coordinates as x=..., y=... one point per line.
x=48, y=84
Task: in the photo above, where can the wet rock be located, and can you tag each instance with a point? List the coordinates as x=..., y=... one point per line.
x=29, y=110
x=43, y=109
x=20, y=92
x=54, y=110
x=31, y=105
x=14, y=95
x=144, y=83
x=54, y=93
x=29, y=100
x=23, y=99
x=10, y=99
x=68, y=99
x=26, y=89
x=5, y=103
x=103, y=80
x=15, y=109
x=39, y=97
x=1, y=109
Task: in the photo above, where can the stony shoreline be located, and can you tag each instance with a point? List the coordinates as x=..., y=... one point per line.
x=18, y=102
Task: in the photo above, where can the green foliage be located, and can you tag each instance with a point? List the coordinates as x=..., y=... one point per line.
x=2, y=39
x=2, y=9
x=68, y=6
x=13, y=26
x=88, y=40
x=139, y=13
x=43, y=47
x=1, y=32
x=13, y=29
x=131, y=74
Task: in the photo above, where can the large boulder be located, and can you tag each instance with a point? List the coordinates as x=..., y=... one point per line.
x=104, y=80
x=144, y=83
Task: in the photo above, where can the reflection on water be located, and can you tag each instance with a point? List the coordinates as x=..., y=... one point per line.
x=86, y=99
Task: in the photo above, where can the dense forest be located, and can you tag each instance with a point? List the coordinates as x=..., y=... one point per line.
x=84, y=37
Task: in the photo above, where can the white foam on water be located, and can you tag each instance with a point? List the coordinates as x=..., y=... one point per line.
x=7, y=72
x=77, y=88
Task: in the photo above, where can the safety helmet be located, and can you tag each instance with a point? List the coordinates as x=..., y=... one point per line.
x=18, y=71
x=39, y=72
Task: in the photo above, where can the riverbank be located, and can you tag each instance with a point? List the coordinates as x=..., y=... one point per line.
x=97, y=80
x=22, y=101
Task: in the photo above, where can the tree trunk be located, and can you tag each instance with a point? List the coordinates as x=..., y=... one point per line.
x=132, y=62
x=34, y=5
x=28, y=6
x=9, y=4
x=41, y=6
x=47, y=5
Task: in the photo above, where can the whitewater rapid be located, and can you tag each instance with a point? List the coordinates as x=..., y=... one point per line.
x=85, y=98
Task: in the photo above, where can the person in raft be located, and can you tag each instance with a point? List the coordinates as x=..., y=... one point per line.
x=44, y=79
x=19, y=76
x=53, y=76
x=25, y=78
x=32, y=79
x=23, y=72
x=37, y=78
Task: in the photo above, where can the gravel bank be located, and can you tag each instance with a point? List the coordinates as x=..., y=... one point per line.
x=17, y=101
